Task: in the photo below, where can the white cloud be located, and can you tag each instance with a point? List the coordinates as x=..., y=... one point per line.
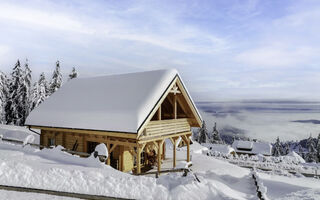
x=277, y=56
x=38, y=18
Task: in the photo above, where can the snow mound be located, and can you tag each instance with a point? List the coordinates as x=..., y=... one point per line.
x=102, y=150
x=297, y=157
x=17, y=133
x=28, y=140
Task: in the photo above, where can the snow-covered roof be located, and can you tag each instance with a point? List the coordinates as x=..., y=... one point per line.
x=244, y=145
x=118, y=103
x=251, y=147
x=222, y=148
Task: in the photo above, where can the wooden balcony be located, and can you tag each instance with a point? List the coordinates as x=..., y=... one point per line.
x=166, y=127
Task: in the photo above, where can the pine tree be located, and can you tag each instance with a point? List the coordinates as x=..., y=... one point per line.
x=216, y=139
x=73, y=74
x=14, y=108
x=312, y=152
x=25, y=94
x=39, y=93
x=203, y=133
x=56, y=80
x=286, y=149
x=277, y=148
x=3, y=97
x=318, y=148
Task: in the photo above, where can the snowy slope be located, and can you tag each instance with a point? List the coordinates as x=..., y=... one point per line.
x=56, y=170
x=50, y=169
x=12, y=195
x=282, y=187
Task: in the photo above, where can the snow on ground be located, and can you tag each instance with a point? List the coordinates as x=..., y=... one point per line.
x=283, y=187
x=17, y=133
x=222, y=148
x=56, y=170
x=13, y=195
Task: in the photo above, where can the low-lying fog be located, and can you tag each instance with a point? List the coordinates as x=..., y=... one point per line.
x=264, y=120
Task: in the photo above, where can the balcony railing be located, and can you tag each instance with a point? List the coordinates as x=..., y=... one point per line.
x=166, y=127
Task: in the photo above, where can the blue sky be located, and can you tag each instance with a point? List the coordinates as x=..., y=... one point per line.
x=224, y=50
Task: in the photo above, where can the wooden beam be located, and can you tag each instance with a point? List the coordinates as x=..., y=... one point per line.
x=188, y=151
x=90, y=132
x=159, y=113
x=161, y=137
x=175, y=106
x=164, y=150
x=138, y=160
x=112, y=148
x=109, y=153
x=160, y=143
x=174, y=143
x=85, y=147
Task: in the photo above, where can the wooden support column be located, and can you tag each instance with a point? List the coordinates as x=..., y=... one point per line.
x=174, y=143
x=159, y=113
x=188, y=150
x=139, y=150
x=164, y=151
x=186, y=139
x=84, y=141
x=159, y=144
x=138, y=160
x=175, y=106
x=109, y=153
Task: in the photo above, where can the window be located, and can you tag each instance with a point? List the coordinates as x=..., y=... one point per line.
x=51, y=142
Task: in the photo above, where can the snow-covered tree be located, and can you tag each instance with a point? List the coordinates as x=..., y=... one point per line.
x=312, y=152
x=203, y=133
x=73, y=74
x=3, y=96
x=56, y=80
x=318, y=148
x=286, y=149
x=39, y=93
x=14, y=107
x=25, y=92
x=277, y=148
x=215, y=137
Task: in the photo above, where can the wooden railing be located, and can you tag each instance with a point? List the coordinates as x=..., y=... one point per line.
x=165, y=127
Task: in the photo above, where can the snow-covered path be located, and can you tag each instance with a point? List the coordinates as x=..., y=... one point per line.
x=12, y=195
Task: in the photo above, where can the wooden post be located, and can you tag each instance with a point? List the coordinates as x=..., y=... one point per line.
x=121, y=158
x=175, y=106
x=138, y=160
x=188, y=149
x=174, y=153
x=160, y=143
x=109, y=153
x=159, y=113
x=84, y=141
x=186, y=139
x=164, y=151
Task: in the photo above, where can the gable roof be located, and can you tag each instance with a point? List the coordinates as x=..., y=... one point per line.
x=119, y=103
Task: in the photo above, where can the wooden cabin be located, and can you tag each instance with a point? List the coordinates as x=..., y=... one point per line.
x=133, y=114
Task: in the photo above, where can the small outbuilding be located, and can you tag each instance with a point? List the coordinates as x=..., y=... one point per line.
x=133, y=114
x=252, y=147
